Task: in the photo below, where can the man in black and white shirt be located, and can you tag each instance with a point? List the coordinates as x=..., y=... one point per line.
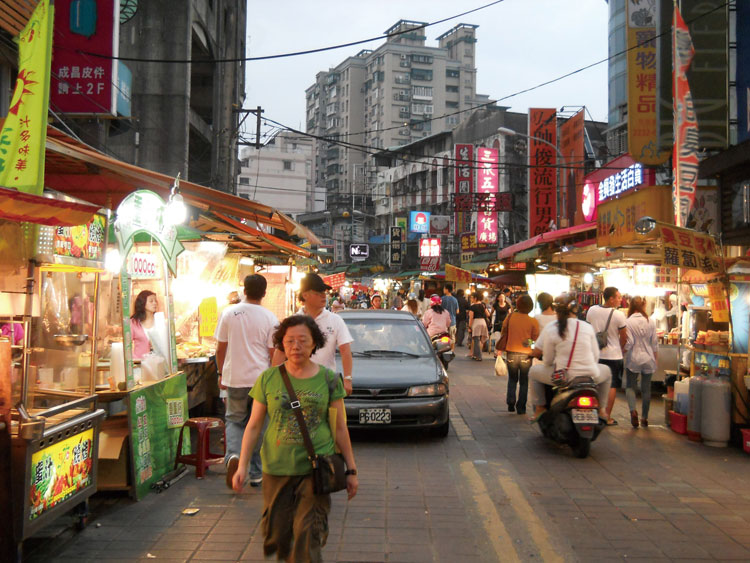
x=617, y=336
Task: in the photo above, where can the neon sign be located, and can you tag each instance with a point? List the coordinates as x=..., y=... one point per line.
x=620, y=182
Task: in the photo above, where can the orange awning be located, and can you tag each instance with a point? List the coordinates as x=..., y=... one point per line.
x=20, y=206
x=15, y=14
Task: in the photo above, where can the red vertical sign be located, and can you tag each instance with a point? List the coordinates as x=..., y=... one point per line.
x=464, y=183
x=542, y=169
x=573, y=155
x=487, y=184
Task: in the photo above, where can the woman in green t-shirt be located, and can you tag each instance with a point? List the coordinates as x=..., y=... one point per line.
x=295, y=520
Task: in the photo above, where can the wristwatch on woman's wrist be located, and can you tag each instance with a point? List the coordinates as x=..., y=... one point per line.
x=350, y=472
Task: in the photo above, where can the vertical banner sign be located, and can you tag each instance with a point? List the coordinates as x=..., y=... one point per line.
x=397, y=237
x=573, y=155
x=464, y=182
x=642, y=142
x=402, y=222
x=81, y=83
x=743, y=71
x=542, y=170
x=685, y=152
x=487, y=170
x=24, y=133
x=719, y=305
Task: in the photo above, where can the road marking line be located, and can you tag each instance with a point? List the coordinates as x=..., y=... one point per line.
x=491, y=521
x=526, y=514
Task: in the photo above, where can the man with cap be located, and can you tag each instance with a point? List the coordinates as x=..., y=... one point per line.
x=244, y=337
x=376, y=301
x=312, y=293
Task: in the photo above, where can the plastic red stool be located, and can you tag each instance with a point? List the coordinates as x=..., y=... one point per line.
x=203, y=457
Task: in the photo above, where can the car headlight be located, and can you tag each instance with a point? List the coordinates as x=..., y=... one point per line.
x=427, y=390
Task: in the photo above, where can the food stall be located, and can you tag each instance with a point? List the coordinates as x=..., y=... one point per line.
x=49, y=285
x=145, y=398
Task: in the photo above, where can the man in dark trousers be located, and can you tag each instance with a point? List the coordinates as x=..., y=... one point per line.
x=463, y=307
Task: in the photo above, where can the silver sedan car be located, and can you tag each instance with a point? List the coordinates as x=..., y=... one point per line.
x=399, y=381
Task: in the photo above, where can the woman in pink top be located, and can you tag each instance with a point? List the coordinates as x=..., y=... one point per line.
x=142, y=320
x=436, y=319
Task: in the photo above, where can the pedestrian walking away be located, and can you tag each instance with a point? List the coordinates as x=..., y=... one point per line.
x=519, y=331
x=641, y=355
x=244, y=336
x=477, y=326
x=312, y=293
x=295, y=518
x=461, y=317
x=606, y=319
x=568, y=345
x=450, y=304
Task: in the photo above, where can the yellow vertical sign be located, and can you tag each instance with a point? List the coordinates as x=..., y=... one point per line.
x=24, y=132
x=209, y=317
x=719, y=307
x=641, y=29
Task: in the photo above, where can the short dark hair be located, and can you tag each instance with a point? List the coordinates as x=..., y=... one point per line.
x=545, y=300
x=449, y=287
x=524, y=304
x=255, y=286
x=319, y=339
x=460, y=292
x=506, y=290
x=609, y=293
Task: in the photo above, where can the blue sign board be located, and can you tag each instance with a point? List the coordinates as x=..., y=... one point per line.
x=743, y=71
x=419, y=221
x=124, y=89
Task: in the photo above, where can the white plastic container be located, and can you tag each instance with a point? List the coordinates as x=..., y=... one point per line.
x=681, y=394
x=694, y=408
x=716, y=411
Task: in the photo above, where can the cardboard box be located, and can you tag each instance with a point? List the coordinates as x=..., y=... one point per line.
x=114, y=458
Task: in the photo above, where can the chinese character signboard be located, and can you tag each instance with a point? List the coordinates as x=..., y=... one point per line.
x=59, y=471
x=641, y=41
x=616, y=219
x=618, y=176
x=688, y=249
x=487, y=184
x=208, y=315
x=23, y=134
x=464, y=181
x=419, y=221
x=453, y=274
x=81, y=83
x=429, y=247
x=336, y=281
x=397, y=238
x=469, y=243
x=719, y=305
x=83, y=241
x=429, y=263
x=573, y=156
x=542, y=170
x=655, y=276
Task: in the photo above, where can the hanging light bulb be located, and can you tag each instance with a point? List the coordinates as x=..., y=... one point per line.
x=112, y=260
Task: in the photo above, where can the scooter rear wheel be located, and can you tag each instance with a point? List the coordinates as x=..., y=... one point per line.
x=582, y=447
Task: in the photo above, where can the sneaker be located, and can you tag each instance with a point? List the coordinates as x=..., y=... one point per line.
x=256, y=481
x=232, y=464
x=511, y=408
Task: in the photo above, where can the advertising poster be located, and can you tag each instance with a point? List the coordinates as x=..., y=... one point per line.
x=719, y=306
x=83, y=241
x=616, y=219
x=704, y=215
x=573, y=156
x=641, y=60
x=440, y=225
x=83, y=84
x=208, y=313
x=59, y=471
x=156, y=418
x=542, y=170
x=487, y=185
x=739, y=299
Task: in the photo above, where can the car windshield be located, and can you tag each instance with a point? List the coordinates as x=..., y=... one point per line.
x=396, y=337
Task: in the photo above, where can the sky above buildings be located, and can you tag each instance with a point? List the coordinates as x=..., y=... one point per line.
x=520, y=44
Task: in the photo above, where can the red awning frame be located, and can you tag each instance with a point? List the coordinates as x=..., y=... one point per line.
x=30, y=208
x=544, y=238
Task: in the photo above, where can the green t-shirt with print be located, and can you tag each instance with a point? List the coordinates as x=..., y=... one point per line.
x=283, y=451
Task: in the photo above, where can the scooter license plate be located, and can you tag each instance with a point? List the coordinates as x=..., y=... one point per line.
x=374, y=416
x=584, y=416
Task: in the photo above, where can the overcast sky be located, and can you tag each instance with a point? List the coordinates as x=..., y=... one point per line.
x=520, y=44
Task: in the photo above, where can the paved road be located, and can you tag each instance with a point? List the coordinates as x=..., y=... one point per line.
x=493, y=490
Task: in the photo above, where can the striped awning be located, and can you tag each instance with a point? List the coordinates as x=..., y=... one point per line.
x=29, y=208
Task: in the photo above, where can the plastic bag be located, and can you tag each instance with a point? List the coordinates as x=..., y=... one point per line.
x=501, y=368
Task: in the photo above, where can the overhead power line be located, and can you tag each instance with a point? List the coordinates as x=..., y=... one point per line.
x=294, y=53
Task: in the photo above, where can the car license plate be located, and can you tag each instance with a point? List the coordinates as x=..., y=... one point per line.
x=585, y=416
x=374, y=416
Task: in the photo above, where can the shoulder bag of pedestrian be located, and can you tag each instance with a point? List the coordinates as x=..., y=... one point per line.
x=329, y=471
x=502, y=342
x=601, y=337
x=560, y=376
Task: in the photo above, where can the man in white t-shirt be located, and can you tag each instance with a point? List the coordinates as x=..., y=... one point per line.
x=312, y=293
x=617, y=337
x=245, y=347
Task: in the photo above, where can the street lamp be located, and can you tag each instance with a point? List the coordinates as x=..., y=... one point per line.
x=505, y=131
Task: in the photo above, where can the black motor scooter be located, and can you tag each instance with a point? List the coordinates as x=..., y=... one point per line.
x=442, y=344
x=572, y=415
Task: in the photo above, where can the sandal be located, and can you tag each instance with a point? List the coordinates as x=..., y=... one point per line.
x=612, y=422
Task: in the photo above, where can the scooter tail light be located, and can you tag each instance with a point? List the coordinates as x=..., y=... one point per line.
x=584, y=402
x=445, y=339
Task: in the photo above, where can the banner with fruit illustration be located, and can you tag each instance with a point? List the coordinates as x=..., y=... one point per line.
x=83, y=241
x=59, y=471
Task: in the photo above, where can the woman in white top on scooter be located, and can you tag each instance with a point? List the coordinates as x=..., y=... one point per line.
x=558, y=354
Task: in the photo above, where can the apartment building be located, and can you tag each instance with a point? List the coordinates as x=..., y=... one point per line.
x=280, y=174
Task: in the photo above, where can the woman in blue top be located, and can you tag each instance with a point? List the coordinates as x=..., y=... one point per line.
x=295, y=519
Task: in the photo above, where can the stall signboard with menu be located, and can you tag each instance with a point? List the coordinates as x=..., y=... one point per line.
x=83, y=241
x=616, y=219
x=719, y=306
x=59, y=471
x=157, y=412
x=208, y=313
x=687, y=249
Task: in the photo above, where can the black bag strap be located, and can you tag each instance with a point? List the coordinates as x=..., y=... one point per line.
x=612, y=312
x=297, y=410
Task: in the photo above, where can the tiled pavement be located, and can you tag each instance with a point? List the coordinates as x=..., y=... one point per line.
x=494, y=490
